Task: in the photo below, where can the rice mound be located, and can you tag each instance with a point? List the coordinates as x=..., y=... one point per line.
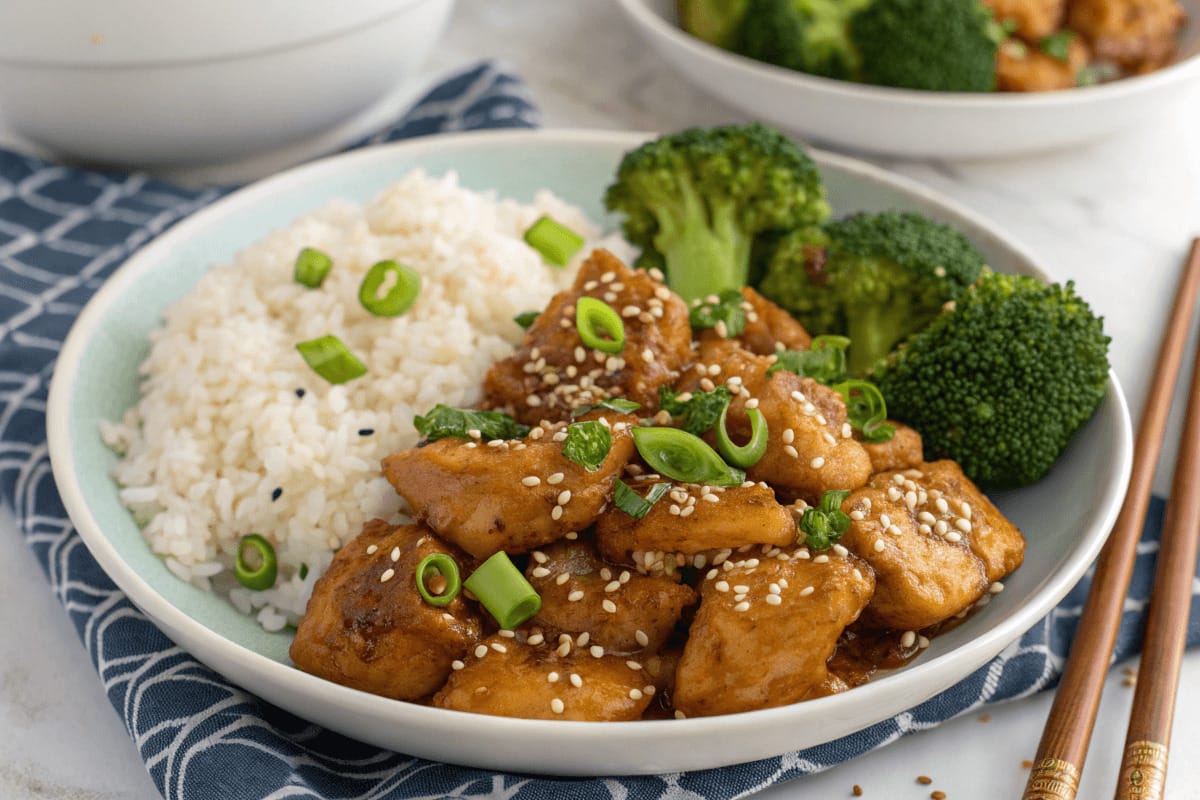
x=235, y=434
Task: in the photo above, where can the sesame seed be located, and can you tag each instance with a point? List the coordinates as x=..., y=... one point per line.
x=540, y=557
x=635, y=694
x=531, y=480
x=922, y=642
x=387, y=575
x=856, y=515
x=564, y=649
x=641, y=638
x=456, y=665
x=941, y=527
x=481, y=651
x=564, y=497
x=372, y=549
x=556, y=705
x=791, y=451
x=893, y=530
x=858, y=576
x=893, y=493
x=966, y=509
x=624, y=576
x=552, y=677
x=539, y=572
x=908, y=639
x=774, y=600
x=942, y=505
x=575, y=596
x=608, y=277
x=953, y=536
x=721, y=586
x=555, y=479
x=840, y=550
x=707, y=385
x=797, y=396
x=597, y=651
x=996, y=588
x=789, y=436
x=806, y=591
x=963, y=524
x=556, y=513
x=879, y=545
x=576, y=681
x=562, y=578
x=818, y=462
x=648, y=355
x=847, y=431
x=687, y=511
x=499, y=648
x=910, y=500
x=609, y=606
x=821, y=559
x=924, y=529
x=742, y=606
x=927, y=518
x=536, y=639
x=885, y=520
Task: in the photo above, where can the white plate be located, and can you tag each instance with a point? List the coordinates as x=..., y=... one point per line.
x=911, y=123
x=1065, y=517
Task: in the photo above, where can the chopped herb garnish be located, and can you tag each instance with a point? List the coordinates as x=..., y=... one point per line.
x=255, y=566
x=311, y=267
x=612, y=404
x=526, y=318
x=275, y=495
x=442, y=422
x=824, y=525
x=503, y=591
x=747, y=455
x=1096, y=73
x=824, y=361
x=587, y=444
x=727, y=310
x=628, y=500
x=1058, y=45
x=866, y=410
x=303, y=571
x=600, y=327
x=556, y=242
x=397, y=299
x=443, y=569
x=331, y=359
x=700, y=411
x=683, y=457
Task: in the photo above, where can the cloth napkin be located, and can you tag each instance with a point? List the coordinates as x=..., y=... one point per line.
x=63, y=230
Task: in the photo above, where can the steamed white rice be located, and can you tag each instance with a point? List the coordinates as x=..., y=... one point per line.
x=220, y=429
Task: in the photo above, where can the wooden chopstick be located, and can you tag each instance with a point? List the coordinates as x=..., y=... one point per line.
x=1144, y=764
x=1068, y=731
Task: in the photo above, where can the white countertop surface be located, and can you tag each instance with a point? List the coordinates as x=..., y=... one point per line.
x=1116, y=216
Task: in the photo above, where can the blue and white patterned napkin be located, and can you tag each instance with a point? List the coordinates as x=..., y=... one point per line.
x=62, y=232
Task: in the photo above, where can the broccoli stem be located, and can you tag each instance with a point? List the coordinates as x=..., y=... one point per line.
x=873, y=332
x=705, y=249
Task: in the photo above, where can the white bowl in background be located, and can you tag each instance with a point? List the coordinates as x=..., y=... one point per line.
x=903, y=122
x=168, y=83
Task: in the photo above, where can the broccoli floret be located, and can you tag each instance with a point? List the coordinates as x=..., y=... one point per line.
x=807, y=35
x=939, y=45
x=879, y=278
x=714, y=21
x=1001, y=380
x=696, y=201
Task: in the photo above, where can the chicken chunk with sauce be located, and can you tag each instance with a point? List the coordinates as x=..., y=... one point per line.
x=769, y=328
x=936, y=543
x=903, y=451
x=766, y=628
x=513, y=677
x=1140, y=35
x=553, y=372
x=619, y=610
x=367, y=626
x=1023, y=68
x=511, y=495
x=1034, y=19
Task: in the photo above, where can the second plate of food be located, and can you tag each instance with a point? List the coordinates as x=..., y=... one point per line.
x=440, y=356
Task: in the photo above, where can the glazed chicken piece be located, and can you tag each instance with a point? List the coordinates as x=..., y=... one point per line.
x=903, y=451
x=553, y=371
x=682, y=521
x=810, y=449
x=769, y=328
x=619, y=610
x=746, y=651
x=509, y=677
x=511, y=495
x=1034, y=19
x=1140, y=35
x=1025, y=68
x=368, y=628
x=936, y=543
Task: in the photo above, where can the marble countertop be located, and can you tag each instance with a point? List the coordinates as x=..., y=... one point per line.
x=1116, y=216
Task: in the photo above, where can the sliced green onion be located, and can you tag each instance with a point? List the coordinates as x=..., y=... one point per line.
x=303, y=571
x=826, y=523
x=591, y=314
x=399, y=298
x=445, y=566
x=632, y=503
x=617, y=404
x=683, y=457
x=587, y=444
x=746, y=455
x=824, y=361
x=443, y=421
x=526, y=318
x=700, y=412
x=1058, y=45
x=726, y=314
x=866, y=409
x=556, y=242
x=331, y=359
x=255, y=565
x=311, y=267
x=503, y=591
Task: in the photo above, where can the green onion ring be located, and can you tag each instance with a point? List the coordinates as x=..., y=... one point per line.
x=445, y=566
x=746, y=455
x=555, y=241
x=399, y=298
x=591, y=314
x=503, y=591
x=255, y=578
x=331, y=359
x=312, y=266
x=683, y=457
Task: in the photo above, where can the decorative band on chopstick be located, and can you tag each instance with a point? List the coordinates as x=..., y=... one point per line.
x=1052, y=779
x=1144, y=775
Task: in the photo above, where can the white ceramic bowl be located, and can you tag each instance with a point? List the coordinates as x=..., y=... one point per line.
x=910, y=123
x=171, y=83
x=1065, y=517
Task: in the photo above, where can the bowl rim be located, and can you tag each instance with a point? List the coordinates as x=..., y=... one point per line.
x=643, y=16
x=285, y=680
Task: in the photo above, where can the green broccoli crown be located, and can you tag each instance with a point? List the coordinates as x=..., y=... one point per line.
x=880, y=278
x=938, y=45
x=714, y=21
x=1001, y=380
x=701, y=197
x=807, y=35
